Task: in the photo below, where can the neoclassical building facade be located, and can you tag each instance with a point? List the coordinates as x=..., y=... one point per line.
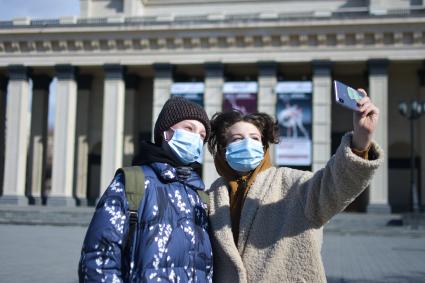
x=115, y=64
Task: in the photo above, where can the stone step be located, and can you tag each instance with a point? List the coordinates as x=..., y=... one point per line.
x=343, y=223
x=45, y=215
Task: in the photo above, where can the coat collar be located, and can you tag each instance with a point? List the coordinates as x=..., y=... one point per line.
x=220, y=213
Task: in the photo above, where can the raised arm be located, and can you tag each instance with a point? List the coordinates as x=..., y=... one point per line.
x=101, y=253
x=331, y=189
x=348, y=172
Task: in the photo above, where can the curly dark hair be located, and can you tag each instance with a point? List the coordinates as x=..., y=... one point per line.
x=222, y=121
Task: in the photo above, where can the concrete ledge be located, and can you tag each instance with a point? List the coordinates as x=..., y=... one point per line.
x=379, y=208
x=342, y=224
x=16, y=200
x=414, y=220
x=45, y=215
x=372, y=224
x=61, y=201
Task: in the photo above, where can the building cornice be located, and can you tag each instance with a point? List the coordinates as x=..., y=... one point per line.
x=402, y=39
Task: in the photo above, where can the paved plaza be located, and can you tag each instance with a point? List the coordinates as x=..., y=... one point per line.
x=357, y=249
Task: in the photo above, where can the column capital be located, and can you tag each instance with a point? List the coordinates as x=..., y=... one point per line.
x=214, y=69
x=378, y=66
x=65, y=72
x=41, y=82
x=132, y=81
x=84, y=82
x=17, y=72
x=322, y=67
x=267, y=68
x=114, y=71
x=163, y=70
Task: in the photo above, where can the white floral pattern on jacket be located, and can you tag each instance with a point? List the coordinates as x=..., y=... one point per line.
x=172, y=242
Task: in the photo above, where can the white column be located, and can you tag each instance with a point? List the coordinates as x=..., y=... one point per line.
x=81, y=139
x=161, y=89
x=113, y=124
x=213, y=102
x=131, y=87
x=3, y=92
x=64, y=138
x=17, y=132
x=38, y=137
x=266, y=95
x=322, y=92
x=378, y=91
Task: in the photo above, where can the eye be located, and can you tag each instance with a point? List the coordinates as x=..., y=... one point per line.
x=236, y=139
x=256, y=138
x=189, y=128
x=203, y=136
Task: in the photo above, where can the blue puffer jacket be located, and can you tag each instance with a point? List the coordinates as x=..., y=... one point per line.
x=172, y=242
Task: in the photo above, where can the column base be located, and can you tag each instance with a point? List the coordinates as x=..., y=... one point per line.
x=14, y=200
x=378, y=208
x=61, y=201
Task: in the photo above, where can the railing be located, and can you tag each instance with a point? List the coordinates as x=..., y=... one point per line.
x=92, y=21
x=49, y=22
x=353, y=12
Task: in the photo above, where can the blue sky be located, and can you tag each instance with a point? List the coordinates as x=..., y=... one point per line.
x=39, y=9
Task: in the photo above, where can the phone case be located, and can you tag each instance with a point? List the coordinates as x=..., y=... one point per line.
x=347, y=96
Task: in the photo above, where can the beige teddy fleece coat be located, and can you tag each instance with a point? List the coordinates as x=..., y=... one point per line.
x=281, y=223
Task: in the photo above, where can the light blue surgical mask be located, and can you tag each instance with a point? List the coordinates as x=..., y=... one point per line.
x=244, y=155
x=187, y=146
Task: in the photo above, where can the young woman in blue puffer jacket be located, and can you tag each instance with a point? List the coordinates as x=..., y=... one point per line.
x=172, y=242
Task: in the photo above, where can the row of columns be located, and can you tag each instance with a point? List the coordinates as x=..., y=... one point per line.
x=71, y=134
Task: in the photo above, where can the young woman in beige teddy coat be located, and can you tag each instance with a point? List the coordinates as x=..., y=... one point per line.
x=266, y=222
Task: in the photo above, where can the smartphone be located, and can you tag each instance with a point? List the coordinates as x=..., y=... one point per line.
x=347, y=96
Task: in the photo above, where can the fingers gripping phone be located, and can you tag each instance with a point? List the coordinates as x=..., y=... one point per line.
x=347, y=96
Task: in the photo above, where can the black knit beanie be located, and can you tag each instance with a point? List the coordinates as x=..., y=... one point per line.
x=175, y=110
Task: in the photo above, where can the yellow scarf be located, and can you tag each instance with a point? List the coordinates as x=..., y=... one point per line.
x=238, y=186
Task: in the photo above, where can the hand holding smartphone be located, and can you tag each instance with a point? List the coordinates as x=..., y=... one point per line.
x=347, y=96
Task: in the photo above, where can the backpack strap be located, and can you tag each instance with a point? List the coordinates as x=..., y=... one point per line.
x=134, y=186
x=204, y=197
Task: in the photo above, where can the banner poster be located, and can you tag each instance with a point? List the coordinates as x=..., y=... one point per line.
x=294, y=115
x=191, y=91
x=240, y=96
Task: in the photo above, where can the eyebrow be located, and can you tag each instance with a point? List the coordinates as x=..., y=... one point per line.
x=241, y=135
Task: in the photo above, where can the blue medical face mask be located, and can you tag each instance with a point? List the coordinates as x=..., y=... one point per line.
x=244, y=155
x=186, y=146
